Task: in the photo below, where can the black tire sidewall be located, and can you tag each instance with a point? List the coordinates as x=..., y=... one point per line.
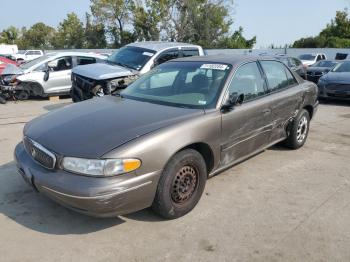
x=292, y=140
x=163, y=203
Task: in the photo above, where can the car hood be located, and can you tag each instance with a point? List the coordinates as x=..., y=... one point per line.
x=337, y=77
x=92, y=128
x=102, y=71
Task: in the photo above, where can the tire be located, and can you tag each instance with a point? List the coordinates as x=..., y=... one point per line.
x=22, y=95
x=299, y=130
x=2, y=100
x=181, y=185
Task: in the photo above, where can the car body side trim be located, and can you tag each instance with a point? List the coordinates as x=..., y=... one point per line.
x=99, y=196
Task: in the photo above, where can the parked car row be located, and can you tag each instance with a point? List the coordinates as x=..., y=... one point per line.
x=85, y=75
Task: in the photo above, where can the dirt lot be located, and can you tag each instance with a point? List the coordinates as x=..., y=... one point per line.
x=280, y=205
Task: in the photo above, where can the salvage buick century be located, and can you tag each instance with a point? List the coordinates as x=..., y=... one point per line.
x=156, y=143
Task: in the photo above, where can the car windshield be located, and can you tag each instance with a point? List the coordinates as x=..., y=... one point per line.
x=181, y=84
x=35, y=61
x=324, y=63
x=307, y=57
x=131, y=57
x=342, y=67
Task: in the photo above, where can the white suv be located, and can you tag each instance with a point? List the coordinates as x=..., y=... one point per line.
x=310, y=59
x=28, y=55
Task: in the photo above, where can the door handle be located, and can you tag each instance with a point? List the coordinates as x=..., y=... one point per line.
x=266, y=111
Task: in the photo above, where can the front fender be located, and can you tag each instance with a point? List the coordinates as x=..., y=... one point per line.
x=155, y=149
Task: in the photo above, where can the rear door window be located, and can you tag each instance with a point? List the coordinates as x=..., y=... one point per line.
x=248, y=81
x=276, y=74
x=81, y=60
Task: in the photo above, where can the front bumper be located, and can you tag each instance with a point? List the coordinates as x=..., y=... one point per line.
x=100, y=197
x=324, y=92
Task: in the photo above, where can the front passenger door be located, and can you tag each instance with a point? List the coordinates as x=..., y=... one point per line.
x=59, y=80
x=246, y=128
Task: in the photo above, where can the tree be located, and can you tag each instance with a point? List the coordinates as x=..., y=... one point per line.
x=70, y=33
x=147, y=19
x=38, y=36
x=335, y=35
x=236, y=40
x=95, y=36
x=9, y=35
x=115, y=14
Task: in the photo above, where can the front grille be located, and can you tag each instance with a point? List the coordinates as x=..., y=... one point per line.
x=39, y=153
x=338, y=87
x=84, y=83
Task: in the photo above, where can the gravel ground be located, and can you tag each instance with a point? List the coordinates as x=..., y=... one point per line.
x=281, y=205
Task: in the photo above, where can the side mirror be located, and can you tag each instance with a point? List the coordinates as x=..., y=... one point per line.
x=233, y=100
x=47, y=73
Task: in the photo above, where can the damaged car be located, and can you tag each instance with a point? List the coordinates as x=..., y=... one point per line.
x=48, y=75
x=156, y=143
x=125, y=66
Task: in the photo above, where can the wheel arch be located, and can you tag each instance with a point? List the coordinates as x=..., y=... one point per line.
x=205, y=150
x=310, y=110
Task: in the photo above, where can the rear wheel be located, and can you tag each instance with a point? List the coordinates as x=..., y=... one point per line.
x=181, y=184
x=299, y=130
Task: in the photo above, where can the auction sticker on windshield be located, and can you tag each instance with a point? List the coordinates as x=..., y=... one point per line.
x=214, y=66
x=147, y=53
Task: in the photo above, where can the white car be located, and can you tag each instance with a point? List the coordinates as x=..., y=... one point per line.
x=310, y=59
x=48, y=75
x=27, y=55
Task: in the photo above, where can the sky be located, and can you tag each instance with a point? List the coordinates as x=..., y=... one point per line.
x=277, y=22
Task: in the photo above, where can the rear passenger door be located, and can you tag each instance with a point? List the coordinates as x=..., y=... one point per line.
x=285, y=96
x=246, y=128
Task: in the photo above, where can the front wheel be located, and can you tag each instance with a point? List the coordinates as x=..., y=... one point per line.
x=181, y=185
x=299, y=130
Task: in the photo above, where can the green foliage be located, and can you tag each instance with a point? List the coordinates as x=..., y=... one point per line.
x=39, y=36
x=335, y=35
x=70, y=33
x=95, y=34
x=9, y=35
x=236, y=40
x=114, y=14
x=114, y=23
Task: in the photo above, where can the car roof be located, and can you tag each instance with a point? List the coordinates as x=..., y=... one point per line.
x=159, y=45
x=225, y=59
x=58, y=54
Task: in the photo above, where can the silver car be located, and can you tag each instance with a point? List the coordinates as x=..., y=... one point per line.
x=47, y=75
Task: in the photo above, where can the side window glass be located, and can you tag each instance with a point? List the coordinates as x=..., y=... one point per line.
x=167, y=55
x=85, y=60
x=276, y=74
x=290, y=77
x=60, y=64
x=187, y=53
x=292, y=62
x=319, y=58
x=297, y=62
x=248, y=81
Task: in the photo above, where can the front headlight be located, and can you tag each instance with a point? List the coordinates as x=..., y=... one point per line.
x=100, y=167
